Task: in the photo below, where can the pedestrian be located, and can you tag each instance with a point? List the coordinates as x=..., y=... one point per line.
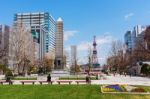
x=97, y=77
x=49, y=78
x=125, y=74
x=134, y=72
x=130, y=74
x=114, y=74
x=120, y=73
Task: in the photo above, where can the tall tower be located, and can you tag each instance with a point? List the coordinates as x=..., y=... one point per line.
x=59, y=60
x=94, y=54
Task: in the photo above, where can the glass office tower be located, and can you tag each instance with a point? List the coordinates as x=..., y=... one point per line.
x=43, y=29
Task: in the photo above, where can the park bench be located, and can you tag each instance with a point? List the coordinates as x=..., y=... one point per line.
x=41, y=82
x=64, y=81
x=80, y=81
x=23, y=82
x=3, y=81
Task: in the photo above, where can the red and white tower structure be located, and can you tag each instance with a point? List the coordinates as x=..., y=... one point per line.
x=95, y=62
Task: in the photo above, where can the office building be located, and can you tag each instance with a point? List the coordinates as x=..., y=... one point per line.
x=43, y=28
x=133, y=37
x=137, y=34
x=147, y=38
x=128, y=41
x=59, y=61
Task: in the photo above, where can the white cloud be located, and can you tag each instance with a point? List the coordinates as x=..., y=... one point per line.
x=106, y=39
x=69, y=34
x=128, y=16
x=102, y=42
x=83, y=46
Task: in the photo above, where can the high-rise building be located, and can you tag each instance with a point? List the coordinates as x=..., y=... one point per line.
x=73, y=55
x=147, y=38
x=43, y=28
x=59, y=61
x=4, y=43
x=137, y=35
x=128, y=41
x=134, y=36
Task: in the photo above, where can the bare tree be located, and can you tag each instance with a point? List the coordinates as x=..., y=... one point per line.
x=21, y=47
x=3, y=55
x=4, y=44
x=116, y=59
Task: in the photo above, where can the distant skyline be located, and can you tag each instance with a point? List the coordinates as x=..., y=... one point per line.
x=106, y=19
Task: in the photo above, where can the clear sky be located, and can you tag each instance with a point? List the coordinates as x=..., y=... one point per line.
x=107, y=19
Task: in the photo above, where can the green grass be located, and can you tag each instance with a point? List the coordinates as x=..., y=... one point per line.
x=18, y=78
x=75, y=78
x=61, y=92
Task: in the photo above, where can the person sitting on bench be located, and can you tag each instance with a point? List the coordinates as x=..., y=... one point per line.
x=49, y=78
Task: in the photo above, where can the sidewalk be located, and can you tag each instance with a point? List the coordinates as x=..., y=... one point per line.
x=124, y=80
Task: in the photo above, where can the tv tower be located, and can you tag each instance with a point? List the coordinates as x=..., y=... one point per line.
x=94, y=54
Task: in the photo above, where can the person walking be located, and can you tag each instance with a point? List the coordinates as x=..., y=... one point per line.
x=96, y=76
x=125, y=74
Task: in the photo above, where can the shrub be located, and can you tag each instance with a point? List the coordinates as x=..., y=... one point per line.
x=9, y=73
x=145, y=69
x=138, y=90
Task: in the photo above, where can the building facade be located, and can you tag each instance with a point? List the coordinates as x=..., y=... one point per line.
x=73, y=55
x=59, y=56
x=43, y=28
x=133, y=37
x=147, y=38
x=4, y=44
x=128, y=41
x=137, y=34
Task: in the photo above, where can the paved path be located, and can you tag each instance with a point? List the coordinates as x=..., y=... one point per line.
x=124, y=80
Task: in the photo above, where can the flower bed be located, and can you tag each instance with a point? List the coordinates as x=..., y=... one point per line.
x=123, y=89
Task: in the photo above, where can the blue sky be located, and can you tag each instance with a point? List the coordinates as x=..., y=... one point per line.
x=107, y=19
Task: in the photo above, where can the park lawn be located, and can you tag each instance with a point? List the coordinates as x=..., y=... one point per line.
x=61, y=92
x=23, y=78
